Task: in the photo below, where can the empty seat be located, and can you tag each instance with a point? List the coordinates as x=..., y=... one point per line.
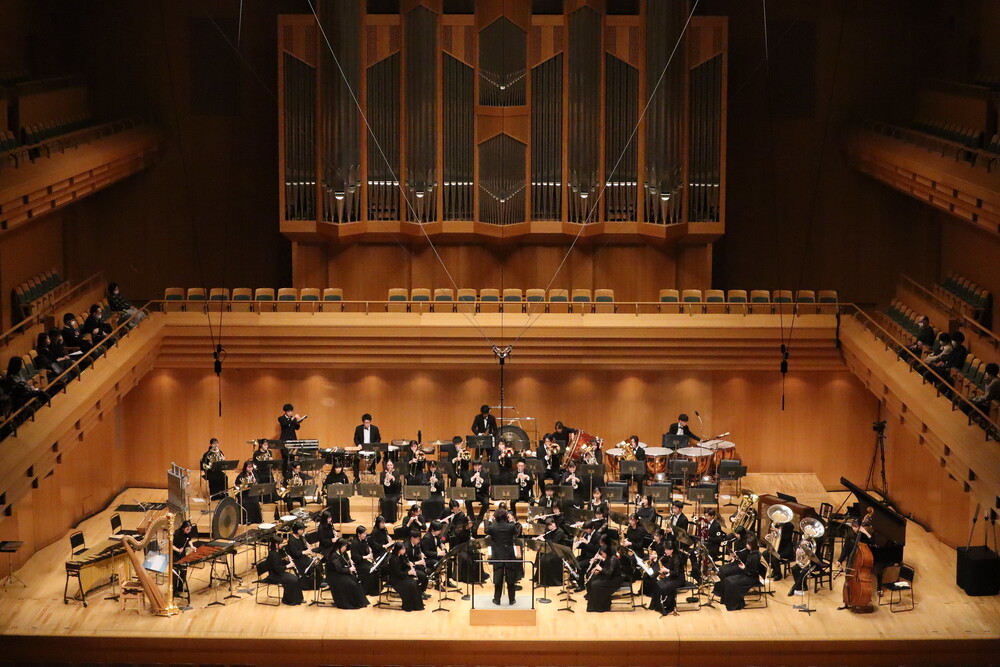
x=783, y=302
x=174, y=298
x=489, y=300
x=264, y=296
x=693, y=297
x=558, y=300
x=828, y=301
x=604, y=300
x=287, y=296
x=512, y=295
x=398, y=296
x=444, y=294
x=420, y=298
x=669, y=298
x=715, y=301
x=581, y=299
x=466, y=300
x=333, y=298
x=803, y=298
x=762, y=298
x=217, y=297
x=242, y=298
x=310, y=298
x=196, y=294
x=535, y=295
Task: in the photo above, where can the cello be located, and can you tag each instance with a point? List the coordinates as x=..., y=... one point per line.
x=858, y=584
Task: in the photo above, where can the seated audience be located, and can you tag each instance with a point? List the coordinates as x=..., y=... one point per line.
x=120, y=306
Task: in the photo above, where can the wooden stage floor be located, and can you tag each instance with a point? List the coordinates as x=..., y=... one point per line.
x=946, y=627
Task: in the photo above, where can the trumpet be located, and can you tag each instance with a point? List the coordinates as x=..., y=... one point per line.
x=552, y=449
x=465, y=455
x=523, y=479
x=477, y=479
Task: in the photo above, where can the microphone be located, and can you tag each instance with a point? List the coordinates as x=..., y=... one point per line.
x=698, y=415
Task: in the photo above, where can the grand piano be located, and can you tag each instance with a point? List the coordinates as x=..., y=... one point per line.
x=888, y=527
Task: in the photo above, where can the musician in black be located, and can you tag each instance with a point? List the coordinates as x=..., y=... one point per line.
x=478, y=479
x=379, y=538
x=785, y=551
x=400, y=576
x=525, y=483
x=734, y=588
x=218, y=483
x=603, y=579
x=260, y=454
x=640, y=455
x=550, y=565
x=289, y=423
x=278, y=563
x=548, y=499
x=416, y=461
x=678, y=520
x=414, y=520
x=737, y=552
x=432, y=545
x=561, y=435
x=339, y=508
x=680, y=427
x=589, y=544
x=669, y=572
x=461, y=461
x=647, y=510
x=714, y=534
x=434, y=480
x=636, y=539
x=342, y=577
x=250, y=504
x=326, y=534
x=302, y=556
x=390, y=482
x=295, y=479
x=501, y=533
x=467, y=570
x=570, y=478
x=485, y=424
x=366, y=433
x=181, y=544
x=415, y=556
x=550, y=452
x=597, y=501
x=364, y=558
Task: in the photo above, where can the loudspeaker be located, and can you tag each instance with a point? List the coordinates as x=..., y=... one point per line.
x=978, y=571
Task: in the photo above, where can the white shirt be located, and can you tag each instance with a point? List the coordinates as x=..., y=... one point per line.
x=681, y=430
x=368, y=436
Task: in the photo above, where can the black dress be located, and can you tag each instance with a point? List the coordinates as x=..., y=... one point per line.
x=663, y=596
x=604, y=584
x=378, y=539
x=433, y=507
x=393, y=489
x=733, y=588
x=279, y=574
x=326, y=535
x=398, y=576
x=309, y=575
x=340, y=508
x=180, y=542
x=345, y=587
x=217, y=481
x=361, y=553
x=550, y=566
x=250, y=504
x=468, y=571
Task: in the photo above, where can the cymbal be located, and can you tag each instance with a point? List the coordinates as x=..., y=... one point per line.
x=440, y=443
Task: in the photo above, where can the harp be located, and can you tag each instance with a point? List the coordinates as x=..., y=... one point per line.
x=158, y=604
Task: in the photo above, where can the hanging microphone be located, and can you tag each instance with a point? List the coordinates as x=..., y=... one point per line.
x=698, y=415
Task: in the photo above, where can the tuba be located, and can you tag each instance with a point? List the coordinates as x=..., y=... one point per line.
x=745, y=514
x=812, y=529
x=779, y=515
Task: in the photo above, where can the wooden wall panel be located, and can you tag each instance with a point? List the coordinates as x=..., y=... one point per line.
x=27, y=251
x=52, y=104
x=825, y=426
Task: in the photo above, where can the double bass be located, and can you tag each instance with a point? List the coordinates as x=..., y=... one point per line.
x=859, y=583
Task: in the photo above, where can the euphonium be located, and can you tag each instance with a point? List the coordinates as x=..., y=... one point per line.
x=804, y=551
x=745, y=514
x=628, y=451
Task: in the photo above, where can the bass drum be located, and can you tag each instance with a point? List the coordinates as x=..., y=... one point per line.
x=514, y=437
x=583, y=440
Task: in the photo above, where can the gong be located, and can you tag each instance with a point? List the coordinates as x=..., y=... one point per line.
x=226, y=519
x=515, y=437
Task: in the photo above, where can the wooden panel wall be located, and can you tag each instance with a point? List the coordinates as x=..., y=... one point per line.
x=92, y=473
x=27, y=251
x=825, y=427
x=367, y=271
x=52, y=104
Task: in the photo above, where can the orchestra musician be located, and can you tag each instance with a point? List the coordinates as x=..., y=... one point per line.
x=326, y=534
x=597, y=502
x=278, y=563
x=502, y=533
x=550, y=566
x=734, y=588
x=801, y=565
x=366, y=433
x=339, y=508
x=679, y=521
x=432, y=545
x=478, y=479
x=550, y=452
x=548, y=499
x=363, y=557
x=294, y=478
x=461, y=462
x=669, y=572
x=680, y=427
x=302, y=556
x=647, y=510
x=260, y=454
x=561, y=433
x=467, y=570
x=485, y=424
x=603, y=579
x=712, y=534
x=433, y=507
x=393, y=490
x=570, y=478
x=737, y=553
x=414, y=521
x=250, y=504
x=289, y=423
x=342, y=577
x=415, y=557
x=525, y=483
x=379, y=538
x=181, y=545
x=503, y=456
x=415, y=462
x=640, y=455
x=401, y=577
x=637, y=539
x=588, y=542
x=218, y=483
x=785, y=550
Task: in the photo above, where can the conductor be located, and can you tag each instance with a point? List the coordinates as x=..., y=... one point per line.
x=501, y=532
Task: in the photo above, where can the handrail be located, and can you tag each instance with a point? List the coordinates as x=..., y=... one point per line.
x=379, y=305
x=69, y=140
x=10, y=425
x=946, y=147
x=951, y=311
x=901, y=349
x=39, y=317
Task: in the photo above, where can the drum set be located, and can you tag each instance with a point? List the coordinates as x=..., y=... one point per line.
x=708, y=454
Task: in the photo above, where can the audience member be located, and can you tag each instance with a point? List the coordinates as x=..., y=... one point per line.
x=121, y=307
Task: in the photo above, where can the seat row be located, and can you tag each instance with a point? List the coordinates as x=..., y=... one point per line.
x=39, y=292
x=963, y=293
x=967, y=136
x=245, y=299
x=803, y=302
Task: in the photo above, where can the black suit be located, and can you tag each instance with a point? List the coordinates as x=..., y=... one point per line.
x=482, y=492
x=502, y=536
x=673, y=430
x=359, y=439
x=485, y=425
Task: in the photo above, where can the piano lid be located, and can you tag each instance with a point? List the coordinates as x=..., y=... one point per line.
x=889, y=525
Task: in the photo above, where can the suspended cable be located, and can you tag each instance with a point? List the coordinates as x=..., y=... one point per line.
x=392, y=172
x=607, y=179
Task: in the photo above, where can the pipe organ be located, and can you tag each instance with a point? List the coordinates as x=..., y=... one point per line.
x=501, y=124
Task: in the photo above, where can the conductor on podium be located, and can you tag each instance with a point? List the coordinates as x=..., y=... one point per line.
x=501, y=532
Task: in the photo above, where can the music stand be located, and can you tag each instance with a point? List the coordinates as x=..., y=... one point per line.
x=675, y=442
x=614, y=494
x=461, y=493
x=446, y=468
x=731, y=470
x=10, y=547
x=535, y=466
x=660, y=492
x=502, y=492
x=223, y=467
x=570, y=566
x=565, y=493
x=492, y=469
x=340, y=492
x=703, y=495
x=416, y=492
x=300, y=492
x=372, y=491
x=682, y=470
x=631, y=471
x=807, y=592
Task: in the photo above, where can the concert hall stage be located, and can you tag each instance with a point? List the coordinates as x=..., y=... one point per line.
x=946, y=627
